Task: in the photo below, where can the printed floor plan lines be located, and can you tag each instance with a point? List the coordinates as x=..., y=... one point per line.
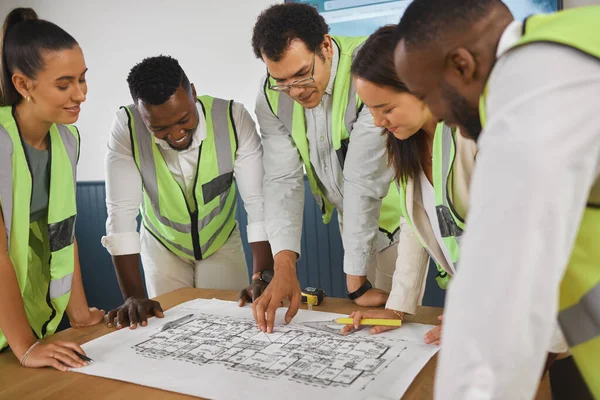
x=296, y=352
x=219, y=353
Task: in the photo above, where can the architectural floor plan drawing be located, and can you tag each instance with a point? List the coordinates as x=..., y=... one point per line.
x=297, y=352
x=219, y=353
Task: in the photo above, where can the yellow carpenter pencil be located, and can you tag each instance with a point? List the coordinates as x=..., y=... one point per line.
x=370, y=321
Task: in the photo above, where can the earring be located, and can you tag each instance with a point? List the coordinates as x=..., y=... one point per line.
x=28, y=99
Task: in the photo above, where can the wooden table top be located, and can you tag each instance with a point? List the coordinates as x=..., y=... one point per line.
x=21, y=383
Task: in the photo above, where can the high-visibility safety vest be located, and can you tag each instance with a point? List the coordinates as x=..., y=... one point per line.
x=192, y=231
x=346, y=107
x=579, y=303
x=42, y=252
x=450, y=222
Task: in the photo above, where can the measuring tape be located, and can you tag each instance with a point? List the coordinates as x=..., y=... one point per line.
x=312, y=296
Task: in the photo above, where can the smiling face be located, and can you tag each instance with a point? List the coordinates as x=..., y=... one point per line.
x=298, y=62
x=400, y=113
x=175, y=121
x=58, y=90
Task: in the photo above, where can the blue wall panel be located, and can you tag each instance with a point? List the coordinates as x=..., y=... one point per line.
x=320, y=264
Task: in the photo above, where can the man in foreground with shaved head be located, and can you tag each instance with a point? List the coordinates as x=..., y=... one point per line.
x=529, y=93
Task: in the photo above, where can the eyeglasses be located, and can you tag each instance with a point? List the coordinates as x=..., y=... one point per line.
x=300, y=83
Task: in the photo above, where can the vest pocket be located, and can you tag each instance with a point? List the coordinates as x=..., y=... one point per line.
x=220, y=184
x=62, y=234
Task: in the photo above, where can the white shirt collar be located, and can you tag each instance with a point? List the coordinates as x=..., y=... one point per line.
x=199, y=134
x=509, y=38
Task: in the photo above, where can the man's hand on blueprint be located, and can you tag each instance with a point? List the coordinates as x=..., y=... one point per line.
x=133, y=312
x=252, y=292
x=285, y=285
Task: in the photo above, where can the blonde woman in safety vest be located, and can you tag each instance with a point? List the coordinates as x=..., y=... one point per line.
x=42, y=86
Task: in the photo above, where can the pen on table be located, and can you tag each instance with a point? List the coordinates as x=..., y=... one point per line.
x=84, y=358
x=370, y=321
x=176, y=322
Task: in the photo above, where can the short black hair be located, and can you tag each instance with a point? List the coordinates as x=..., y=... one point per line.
x=156, y=79
x=427, y=21
x=23, y=41
x=278, y=25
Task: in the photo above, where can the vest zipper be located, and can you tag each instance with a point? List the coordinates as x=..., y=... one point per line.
x=194, y=215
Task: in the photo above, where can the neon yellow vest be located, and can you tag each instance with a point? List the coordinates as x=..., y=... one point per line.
x=192, y=231
x=451, y=223
x=44, y=245
x=579, y=303
x=346, y=106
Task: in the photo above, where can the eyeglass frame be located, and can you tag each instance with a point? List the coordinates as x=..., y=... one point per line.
x=287, y=87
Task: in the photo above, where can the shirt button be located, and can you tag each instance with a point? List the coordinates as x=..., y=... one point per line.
x=322, y=138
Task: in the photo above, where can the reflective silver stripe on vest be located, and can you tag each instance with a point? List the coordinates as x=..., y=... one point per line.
x=62, y=233
x=153, y=231
x=352, y=111
x=6, y=176
x=202, y=223
x=219, y=115
x=70, y=143
x=61, y=286
x=6, y=187
x=581, y=322
x=213, y=188
x=218, y=231
x=148, y=171
x=447, y=224
x=223, y=183
x=285, y=111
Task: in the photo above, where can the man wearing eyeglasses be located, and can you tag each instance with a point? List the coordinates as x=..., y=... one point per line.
x=311, y=119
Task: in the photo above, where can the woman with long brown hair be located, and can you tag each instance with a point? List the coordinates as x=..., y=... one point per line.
x=433, y=166
x=42, y=87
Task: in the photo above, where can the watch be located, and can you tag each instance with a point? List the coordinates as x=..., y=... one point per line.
x=266, y=275
x=361, y=290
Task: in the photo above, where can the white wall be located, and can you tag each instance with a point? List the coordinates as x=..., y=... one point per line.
x=211, y=40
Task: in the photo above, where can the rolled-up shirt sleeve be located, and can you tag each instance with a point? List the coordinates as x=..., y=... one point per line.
x=123, y=191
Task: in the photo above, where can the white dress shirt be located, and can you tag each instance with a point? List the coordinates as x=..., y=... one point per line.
x=356, y=191
x=539, y=155
x=124, y=183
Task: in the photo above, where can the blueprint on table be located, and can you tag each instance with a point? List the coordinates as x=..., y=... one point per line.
x=219, y=353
